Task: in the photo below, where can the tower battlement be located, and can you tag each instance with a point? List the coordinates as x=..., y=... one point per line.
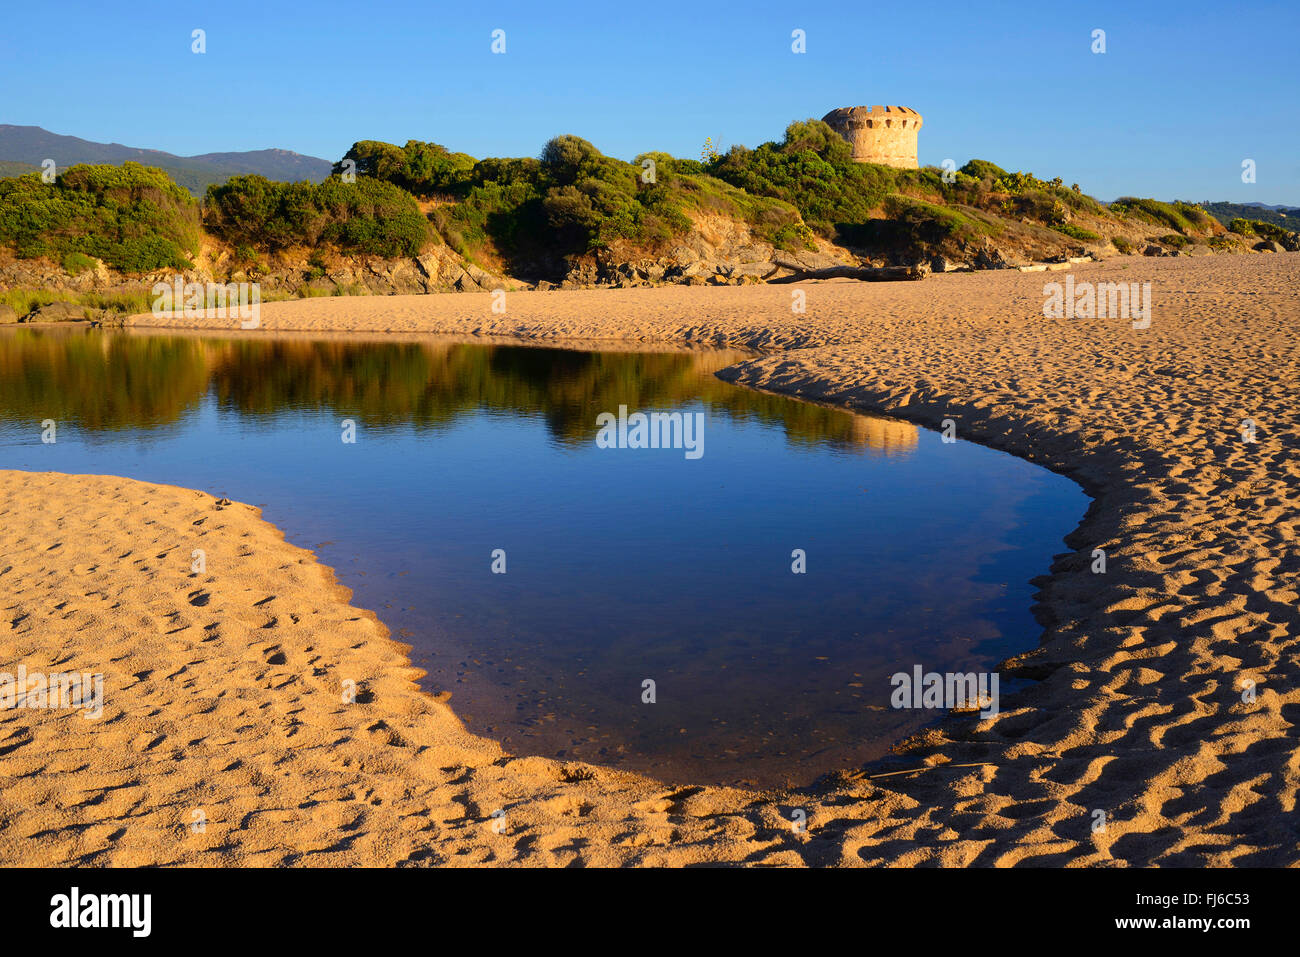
x=878, y=134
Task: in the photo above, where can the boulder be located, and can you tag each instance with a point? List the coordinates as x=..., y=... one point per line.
x=7, y=314
x=1270, y=246
x=58, y=312
x=483, y=278
x=753, y=270
x=430, y=266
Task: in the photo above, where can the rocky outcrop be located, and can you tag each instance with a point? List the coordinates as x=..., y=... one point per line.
x=1269, y=246
x=293, y=273
x=716, y=251
x=61, y=312
x=326, y=273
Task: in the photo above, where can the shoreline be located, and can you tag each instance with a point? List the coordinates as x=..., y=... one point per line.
x=1137, y=711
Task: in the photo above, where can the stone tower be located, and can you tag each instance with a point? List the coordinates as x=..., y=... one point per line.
x=881, y=134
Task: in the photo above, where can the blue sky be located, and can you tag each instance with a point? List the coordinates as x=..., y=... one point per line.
x=1183, y=94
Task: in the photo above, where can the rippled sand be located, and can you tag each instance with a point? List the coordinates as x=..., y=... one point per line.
x=224, y=690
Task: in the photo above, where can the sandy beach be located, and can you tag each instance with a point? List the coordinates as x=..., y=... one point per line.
x=1166, y=699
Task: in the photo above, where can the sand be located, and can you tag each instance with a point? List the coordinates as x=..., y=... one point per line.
x=223, y=690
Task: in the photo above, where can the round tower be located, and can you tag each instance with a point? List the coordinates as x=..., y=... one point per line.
x=879, y=134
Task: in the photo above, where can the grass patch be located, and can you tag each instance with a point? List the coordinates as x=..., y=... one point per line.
x=74, y=264
x=121, y=302
x=1076, y=232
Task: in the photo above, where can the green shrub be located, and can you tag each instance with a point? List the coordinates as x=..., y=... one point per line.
x=367, y=216
x=1259, y=227
x=132, y=217
x=566, y=158
x=423, y=169
x=74, y=264
x=573, y=199
x=1124, y=246
x=812, y=170
x=1242, y=227
x=929, y=225
x=1076, y=232
x=316, y=266
x=984, y=170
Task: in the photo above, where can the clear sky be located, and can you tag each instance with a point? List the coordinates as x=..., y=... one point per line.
x=1183, y=94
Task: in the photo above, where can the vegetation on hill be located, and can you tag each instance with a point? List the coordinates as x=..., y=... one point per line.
x=368, y=216
x=422, y=169
x=1261, y=228
x=1186, y=218
x=9, y=168
x=569, y=201
x=881, y=206
x=130, y=216
x=1225, y=213
x=535, y=217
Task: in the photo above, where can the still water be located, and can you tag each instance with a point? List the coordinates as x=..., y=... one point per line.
x=622, y=565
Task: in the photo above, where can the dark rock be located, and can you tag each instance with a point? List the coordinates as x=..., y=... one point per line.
x=58, y=312
x=864, y=273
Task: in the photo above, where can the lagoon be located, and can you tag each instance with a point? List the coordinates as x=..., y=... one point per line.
x=769, y=588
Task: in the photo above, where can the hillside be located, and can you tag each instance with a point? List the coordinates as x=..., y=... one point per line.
x=31, y=145
x=421, y=218
x=1286, y=217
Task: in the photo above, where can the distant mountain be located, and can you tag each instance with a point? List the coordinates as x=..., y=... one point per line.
x=1285, y=216
x=31, y=145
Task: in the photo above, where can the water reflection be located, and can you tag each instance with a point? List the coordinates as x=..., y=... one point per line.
x=104, y=383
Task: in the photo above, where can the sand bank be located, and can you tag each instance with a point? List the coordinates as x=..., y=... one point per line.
x=223, y=690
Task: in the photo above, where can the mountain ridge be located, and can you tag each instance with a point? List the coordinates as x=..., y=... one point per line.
x=32, y=145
